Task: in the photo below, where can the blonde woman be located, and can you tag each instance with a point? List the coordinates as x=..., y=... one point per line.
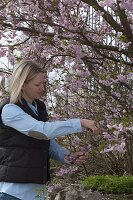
x=27, y=139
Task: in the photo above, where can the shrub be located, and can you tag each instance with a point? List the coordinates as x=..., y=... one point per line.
x=110, y=184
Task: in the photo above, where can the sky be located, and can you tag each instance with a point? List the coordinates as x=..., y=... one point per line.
x=4, y=64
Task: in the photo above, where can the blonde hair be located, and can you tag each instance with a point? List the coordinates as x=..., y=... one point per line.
x=23, y=72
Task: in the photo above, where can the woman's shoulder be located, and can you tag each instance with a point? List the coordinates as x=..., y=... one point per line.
x=11, y=109
x=11, y=112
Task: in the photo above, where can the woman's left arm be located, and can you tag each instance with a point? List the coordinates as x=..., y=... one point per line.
x=58, y=152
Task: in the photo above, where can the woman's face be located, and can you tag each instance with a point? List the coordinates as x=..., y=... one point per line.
x=34, y=89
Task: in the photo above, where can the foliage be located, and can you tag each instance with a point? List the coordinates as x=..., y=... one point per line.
x=110, y=184
x=88, y=48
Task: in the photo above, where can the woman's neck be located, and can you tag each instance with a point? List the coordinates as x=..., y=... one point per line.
x=28, y=99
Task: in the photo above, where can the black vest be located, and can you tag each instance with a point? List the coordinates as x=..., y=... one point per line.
x=24, y=159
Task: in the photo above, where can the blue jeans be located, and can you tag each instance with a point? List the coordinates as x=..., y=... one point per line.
x=4, y=196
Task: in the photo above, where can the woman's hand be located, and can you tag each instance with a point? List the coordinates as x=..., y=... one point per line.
x=90, y=124
x=81, y=158
x=78, y=158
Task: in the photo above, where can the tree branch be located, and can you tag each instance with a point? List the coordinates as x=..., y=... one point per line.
x=105, y=15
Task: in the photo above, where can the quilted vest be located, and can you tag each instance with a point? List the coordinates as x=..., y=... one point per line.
x=24, y=159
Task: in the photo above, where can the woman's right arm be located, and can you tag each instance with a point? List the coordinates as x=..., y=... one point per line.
x=14, y=117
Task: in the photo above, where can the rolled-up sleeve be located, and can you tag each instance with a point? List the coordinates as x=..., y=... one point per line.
x=14, y=117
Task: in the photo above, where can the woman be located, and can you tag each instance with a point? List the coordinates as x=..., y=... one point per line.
x=27, y=138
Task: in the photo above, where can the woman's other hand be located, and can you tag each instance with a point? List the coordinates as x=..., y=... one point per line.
x=77, y=158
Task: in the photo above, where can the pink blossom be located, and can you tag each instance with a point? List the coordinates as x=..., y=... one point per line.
x=107, y=3
x=61, y=172
x=76, y=141
x=120, y=147
x=122, y=78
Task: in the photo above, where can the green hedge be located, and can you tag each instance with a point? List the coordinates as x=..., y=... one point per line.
x=110, y=184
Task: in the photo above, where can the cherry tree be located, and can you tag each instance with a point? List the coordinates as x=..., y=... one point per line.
x=88, y=45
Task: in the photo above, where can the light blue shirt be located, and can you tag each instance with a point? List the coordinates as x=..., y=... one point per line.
x=15, y=117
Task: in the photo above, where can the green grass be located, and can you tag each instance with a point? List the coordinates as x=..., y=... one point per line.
x=110, y=184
